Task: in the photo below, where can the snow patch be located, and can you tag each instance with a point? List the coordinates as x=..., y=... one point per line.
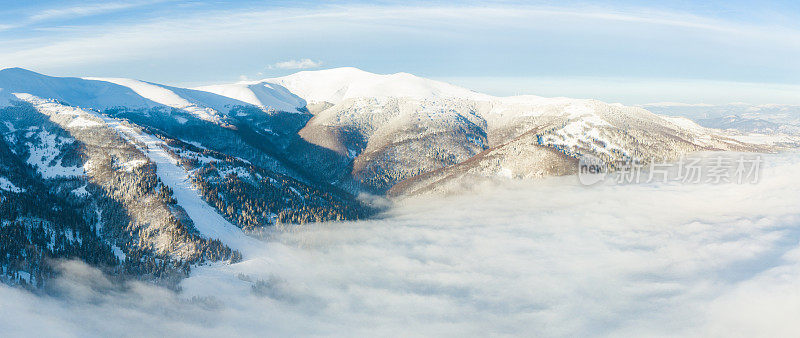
x=6, y=185
x=43, y=154
x=81, y=192
x=118, y=252
x=684, y=123
x=238, y=171
x=26, y=276
x=132, y=164
x=82, y=122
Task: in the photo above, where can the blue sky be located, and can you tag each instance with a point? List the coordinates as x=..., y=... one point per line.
x=621, y=51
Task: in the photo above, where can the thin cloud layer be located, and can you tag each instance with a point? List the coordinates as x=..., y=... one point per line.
x=296, y=64
x=197, y=43
x=82, y=10
x=549, y=258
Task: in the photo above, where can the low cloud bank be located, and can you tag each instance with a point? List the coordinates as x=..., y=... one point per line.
x=548, y=258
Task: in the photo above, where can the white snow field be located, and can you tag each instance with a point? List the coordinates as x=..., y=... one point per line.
x=163, y=96
x=261, y=94
x=338, y=84
x=334, y=86
x=103, y=93
x=552, y=258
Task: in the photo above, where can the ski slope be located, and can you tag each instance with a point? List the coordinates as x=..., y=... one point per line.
x=206, y=219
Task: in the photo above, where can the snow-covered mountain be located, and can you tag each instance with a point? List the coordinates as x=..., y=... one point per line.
x=383, y=129
x=397, y=139
x=364, y=131
x=338, y=84
x=111, y=171
x=333, y=86
x=161, y=177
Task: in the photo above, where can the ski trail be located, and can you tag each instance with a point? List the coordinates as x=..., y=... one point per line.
x=206, y=219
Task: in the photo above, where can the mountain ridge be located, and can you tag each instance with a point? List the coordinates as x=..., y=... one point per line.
x=348, y=117
x=163, y=178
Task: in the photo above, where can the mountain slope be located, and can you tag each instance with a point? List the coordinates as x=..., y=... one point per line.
x=267, y=138
x=119, y=201
x=530, y=137
x=394, y=139
x=203, y=105
x=150, y=203
x=263, y=94
x=75, y=91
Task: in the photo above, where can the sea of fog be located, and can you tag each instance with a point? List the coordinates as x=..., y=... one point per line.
x=545, y=258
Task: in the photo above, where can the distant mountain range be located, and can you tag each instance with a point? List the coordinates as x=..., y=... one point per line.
x=748, y=118
x=146, y=180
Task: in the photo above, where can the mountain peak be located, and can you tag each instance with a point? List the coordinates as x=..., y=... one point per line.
x=14, y=69
x=17, y=71
x=337, y=84
x=340, y=71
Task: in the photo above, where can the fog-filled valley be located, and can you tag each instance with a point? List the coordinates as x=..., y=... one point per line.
x=601, y=168
x=549, y=257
